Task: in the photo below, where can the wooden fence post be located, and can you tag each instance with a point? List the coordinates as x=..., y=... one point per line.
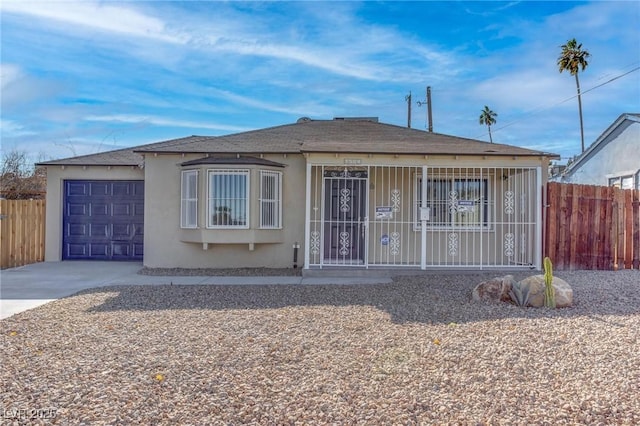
x=619, y=197
x=636, y=229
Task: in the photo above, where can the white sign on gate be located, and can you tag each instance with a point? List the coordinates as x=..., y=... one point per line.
x=384, y=212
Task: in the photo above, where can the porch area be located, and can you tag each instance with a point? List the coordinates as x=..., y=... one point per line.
x=423, y=217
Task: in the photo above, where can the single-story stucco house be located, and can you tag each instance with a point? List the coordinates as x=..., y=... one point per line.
x=347, y=192
x=611, y=160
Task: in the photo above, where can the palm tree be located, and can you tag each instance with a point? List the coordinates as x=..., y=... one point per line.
x=572, y=59
x=488, y=117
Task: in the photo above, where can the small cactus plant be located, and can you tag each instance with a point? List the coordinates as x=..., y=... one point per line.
x=519, y=294
x=549, y=292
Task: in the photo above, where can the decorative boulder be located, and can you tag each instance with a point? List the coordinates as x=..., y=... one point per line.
x=535, y=284
x=494, y=291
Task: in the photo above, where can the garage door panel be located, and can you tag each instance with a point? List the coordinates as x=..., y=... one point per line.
x=99, y=250
x=100, y=188
x=99, y=209
x=75, y=209
x=103, y=220
x=77, y=229
x=77, y=188
x=120, y=189
x=121, y=249
x=99, y=230
x=137, y=250
x=75, y=250
x=138, y=188
x=119, y=209
x=122, y=231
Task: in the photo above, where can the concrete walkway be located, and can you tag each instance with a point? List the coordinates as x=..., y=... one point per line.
x=33, y=285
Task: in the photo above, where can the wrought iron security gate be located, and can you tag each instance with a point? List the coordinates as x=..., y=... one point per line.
x=345, y=215
x=424, y=216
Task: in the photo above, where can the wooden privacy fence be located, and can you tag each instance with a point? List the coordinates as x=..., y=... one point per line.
x=21, y=232
x=592, y=227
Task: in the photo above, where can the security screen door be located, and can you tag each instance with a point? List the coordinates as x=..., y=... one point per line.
x=345, y=217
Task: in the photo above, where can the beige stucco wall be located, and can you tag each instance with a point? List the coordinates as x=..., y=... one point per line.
x=56, y=175
x=167, y=245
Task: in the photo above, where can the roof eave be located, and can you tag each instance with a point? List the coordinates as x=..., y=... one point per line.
x=466, y=154
x=595, y=145
x=105, y=164
x=202, y=152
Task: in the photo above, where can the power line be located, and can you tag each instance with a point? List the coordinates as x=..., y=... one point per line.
x=539, y=109
x=609, y=81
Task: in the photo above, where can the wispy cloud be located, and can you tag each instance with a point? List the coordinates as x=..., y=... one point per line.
x=221, y=33
x=163, y=122
x=10, y=128
x=109, y=17
x=8, y=74
x=19, y=88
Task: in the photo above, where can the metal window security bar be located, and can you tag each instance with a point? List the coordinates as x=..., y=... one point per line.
x=481, y=217
x=421, y=216
x=270, y=199
x=228, y=205
x=189, y=199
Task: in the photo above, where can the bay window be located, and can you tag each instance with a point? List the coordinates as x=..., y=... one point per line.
x=189, y=199
x=234, y=198
x=228, y=199
x=270, y=199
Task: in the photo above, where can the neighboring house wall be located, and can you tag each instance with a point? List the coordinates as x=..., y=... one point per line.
x=168, y=245
x=615, y=156
x=56, y=175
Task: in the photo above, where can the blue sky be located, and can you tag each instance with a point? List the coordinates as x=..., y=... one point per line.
x=85, y=77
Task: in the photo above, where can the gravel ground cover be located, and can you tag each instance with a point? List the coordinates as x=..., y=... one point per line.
x=416, y=351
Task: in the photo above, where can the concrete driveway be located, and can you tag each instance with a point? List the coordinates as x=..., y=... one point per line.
x=33, y=285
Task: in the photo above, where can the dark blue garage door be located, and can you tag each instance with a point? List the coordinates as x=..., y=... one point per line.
x=103, y=220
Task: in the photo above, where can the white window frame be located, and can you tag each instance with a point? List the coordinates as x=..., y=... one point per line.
x=246, y=199
x=188, y=204
x=619, y=182
x=484, y=224
x=271, y=197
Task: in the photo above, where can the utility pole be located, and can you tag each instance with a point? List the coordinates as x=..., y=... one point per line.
x=408, y=99
x=427, y=102
x=429, y=118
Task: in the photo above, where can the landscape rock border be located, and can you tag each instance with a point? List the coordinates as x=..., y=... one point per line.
x=528, y=292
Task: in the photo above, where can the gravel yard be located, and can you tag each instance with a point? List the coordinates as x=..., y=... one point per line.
x=417, y=351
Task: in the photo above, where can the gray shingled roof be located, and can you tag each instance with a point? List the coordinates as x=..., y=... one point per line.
x=345, y=136
x=118, y=157
x=355, y=136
